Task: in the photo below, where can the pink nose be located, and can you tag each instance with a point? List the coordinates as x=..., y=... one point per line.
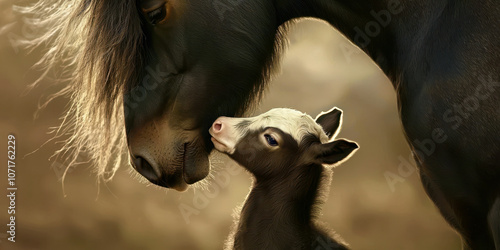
x=217, y=126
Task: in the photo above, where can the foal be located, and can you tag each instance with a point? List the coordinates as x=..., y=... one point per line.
x=285, y=150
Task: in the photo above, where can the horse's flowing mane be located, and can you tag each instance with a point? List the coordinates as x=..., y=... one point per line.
x=101, y=46
x=99, y=43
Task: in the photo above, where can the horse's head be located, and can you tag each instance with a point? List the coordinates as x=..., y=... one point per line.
x=202, y=60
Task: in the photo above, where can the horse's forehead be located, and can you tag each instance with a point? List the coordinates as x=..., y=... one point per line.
x=290, y=121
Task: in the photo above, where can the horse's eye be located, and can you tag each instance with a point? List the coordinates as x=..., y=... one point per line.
x=270, y=140
x=158, y=15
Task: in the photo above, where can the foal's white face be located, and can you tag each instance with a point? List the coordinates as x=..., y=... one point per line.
x=282, y=140
x=227, y=132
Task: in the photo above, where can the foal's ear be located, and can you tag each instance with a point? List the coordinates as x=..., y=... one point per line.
x=330, y=121
x=334, y=152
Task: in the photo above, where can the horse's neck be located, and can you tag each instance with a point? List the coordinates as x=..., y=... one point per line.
x=282, y=208
x=363, y=22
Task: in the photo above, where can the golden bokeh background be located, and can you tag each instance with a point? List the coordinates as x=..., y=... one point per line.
x=319, y=70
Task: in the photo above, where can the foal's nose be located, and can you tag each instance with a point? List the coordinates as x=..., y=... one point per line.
x=218, y=126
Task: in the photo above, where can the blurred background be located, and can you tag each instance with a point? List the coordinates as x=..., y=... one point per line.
x=319, y=70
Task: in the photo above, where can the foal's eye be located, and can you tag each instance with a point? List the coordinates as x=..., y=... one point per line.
x=158, y=15
x=270, y=140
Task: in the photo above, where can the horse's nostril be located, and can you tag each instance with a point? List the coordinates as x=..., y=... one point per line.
x=145, y=169
x=217, y=126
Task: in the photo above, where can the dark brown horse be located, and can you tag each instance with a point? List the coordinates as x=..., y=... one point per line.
x=155, y=74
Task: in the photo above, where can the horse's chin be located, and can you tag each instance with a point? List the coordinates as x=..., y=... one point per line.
x=174, y=180
x=194, y=168
x=180, y=187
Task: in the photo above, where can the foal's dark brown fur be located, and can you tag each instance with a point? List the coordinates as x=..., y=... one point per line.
x=281, y=210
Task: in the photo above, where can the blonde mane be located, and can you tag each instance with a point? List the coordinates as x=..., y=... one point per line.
x=100, y=45
x=102, y=48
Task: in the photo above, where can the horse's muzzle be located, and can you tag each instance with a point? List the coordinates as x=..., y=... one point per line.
x=189, y=166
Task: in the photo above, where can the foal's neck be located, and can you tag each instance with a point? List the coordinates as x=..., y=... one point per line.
x=287, y=199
